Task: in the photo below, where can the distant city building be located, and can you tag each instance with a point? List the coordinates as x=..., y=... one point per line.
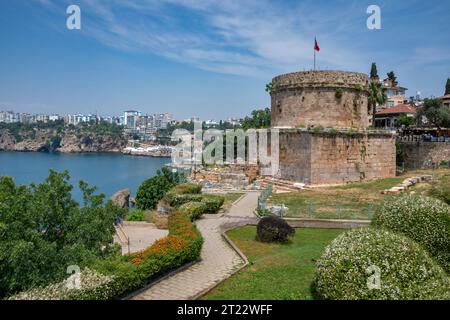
x=130, y=119
x=54, y=117
x=446, y=100
x=76, y=119
x=8, y=117
x=396, y=95
x=162, y=120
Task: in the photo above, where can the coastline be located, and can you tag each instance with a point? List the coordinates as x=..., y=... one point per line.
x=90, y=152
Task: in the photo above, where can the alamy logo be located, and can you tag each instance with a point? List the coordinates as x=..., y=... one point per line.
x=374, y=20
x=73, y=22
x=374, y=280
x=74, y=281
x=251, y=147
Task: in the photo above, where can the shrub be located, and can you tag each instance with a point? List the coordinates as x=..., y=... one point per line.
x=273, y=229
x=213, y=203
x=406, y=270
x=441, y=189
x=118, y=276
x=187, y=188
x=176, y=200
x=152, y=190
x=137, y=215
x=194, y=209
x=182, y=193
x=338, y=93
x=425, y=220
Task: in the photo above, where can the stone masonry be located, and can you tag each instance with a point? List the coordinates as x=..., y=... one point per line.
x=322, y=118
x=423, y=154
x=334, y=99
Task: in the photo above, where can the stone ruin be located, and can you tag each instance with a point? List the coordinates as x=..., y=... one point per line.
x=323, y=122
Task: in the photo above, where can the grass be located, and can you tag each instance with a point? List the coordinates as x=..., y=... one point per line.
x=277, y=271
x=229, y=199
x=351, y=201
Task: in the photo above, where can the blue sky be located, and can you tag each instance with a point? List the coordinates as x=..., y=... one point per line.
x=205, y=58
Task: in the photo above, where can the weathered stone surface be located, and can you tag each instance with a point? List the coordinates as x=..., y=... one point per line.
x=304, y=99
x=121, y=198
x=326, y=158
x=422, y=154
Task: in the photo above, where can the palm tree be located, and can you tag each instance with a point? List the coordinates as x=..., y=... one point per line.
x=377, y=96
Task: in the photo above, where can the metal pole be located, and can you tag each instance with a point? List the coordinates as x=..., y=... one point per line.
x=314, y=59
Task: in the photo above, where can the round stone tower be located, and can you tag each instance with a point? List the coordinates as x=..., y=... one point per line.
x=329, y=99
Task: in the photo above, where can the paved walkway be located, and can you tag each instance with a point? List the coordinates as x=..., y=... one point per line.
x=218, y=260
x=141, y=236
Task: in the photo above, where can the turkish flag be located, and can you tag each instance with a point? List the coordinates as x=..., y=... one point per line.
x=316, y=46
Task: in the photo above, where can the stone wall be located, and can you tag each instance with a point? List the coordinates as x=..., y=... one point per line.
x=333, y=99
x=234, y=174
x=335, y=158
x=422, y=154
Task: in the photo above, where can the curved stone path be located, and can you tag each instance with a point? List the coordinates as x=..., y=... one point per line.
x=218, y=260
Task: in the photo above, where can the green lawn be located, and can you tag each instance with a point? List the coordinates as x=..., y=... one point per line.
x=351, y=201
x=277, y=271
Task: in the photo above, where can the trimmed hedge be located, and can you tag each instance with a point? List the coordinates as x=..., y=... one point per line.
x=213, y=203
x=273, y=229
x=425, y=220
x=176, y=200
x=207, y=204
x=189, y=190
x=406, y=269
x=193, y=209
x=128, y=273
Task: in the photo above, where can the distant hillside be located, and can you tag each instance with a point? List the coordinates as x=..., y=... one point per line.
x=55, y=136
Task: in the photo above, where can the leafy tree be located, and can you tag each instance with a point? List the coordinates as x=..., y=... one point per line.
x=374, y=71
x=43, y=231
x=392, y=78
x=447, y=87
x=259, y=119
x=377, y=96
x=406, y=121
x=435, y=112
x=152, y=190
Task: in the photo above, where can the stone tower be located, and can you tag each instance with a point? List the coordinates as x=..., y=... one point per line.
x=322, y=117
x=328, y=99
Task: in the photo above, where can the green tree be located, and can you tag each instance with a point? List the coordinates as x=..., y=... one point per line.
x=392, y=78
x=406, y=121
x=374, y=72
x=377, y=96
x=258, y=119
x=447, y=87
x=152, y=190
x=435, y=112
x=43, y=231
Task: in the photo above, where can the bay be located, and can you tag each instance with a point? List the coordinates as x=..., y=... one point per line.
x=109, y=172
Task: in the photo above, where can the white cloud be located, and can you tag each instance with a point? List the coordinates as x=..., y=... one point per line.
x=255, y=38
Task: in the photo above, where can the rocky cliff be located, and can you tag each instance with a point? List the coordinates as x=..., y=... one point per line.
x=68, y=141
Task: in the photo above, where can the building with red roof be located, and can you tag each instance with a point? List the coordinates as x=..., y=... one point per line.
x=387, y=117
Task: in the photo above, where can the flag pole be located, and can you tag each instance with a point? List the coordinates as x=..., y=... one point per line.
x=314, y=59
x=315, y=41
